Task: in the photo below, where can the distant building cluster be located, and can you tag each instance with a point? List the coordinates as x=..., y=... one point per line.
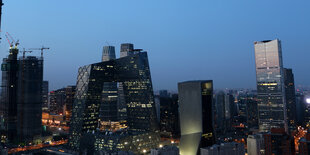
x=113, y=109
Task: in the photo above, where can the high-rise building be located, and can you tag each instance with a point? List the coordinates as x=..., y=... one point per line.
x=195, y=109
x=126, y=49
x=8, y=110
x=134, y=73
x=225, y=111
x=29, y=103
x=57, y=101
x=108, y=53
x=69, y=100
x=45, y=96
x=270, y=85
x=290, y=98
x=252, y=113
x=169, y=117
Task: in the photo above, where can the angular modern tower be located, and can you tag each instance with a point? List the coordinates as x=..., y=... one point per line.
x=270, y=85
x=195, y=108
x=133, y=71
x=290, y=98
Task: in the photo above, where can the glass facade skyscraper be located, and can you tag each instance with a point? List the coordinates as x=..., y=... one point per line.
x=270, y=85
x=133, y=71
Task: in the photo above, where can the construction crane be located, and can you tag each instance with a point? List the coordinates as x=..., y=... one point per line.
x=11, y=40
x=41, y=49
x=24, y=51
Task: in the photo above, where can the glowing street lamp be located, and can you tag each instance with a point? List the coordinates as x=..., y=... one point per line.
x=308, y=100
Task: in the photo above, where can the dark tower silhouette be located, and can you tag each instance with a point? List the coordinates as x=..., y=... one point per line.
x=8, y=108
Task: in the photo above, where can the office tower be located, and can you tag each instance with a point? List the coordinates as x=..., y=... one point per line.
x=126, y=49
x=255, y=144
x=45, y=96
x=242, y=110
x=231, y=148
x=134, y=73
x=69, y=100
x=57, y=101
x=169, y=117
x=29, y=94
x=9, y=69
x=252, y=112
x=278, y=142
x=195, y=109
x=270, y=85
x=108, y=53
x=225, y=111
x=290, y=98
x=109, y=106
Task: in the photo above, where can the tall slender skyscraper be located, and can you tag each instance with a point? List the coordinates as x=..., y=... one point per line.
x=45, y=96
x=270, y=85
x=195, y=108
x=290, y=98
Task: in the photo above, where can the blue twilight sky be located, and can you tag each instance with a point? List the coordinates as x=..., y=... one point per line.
x=185, y=39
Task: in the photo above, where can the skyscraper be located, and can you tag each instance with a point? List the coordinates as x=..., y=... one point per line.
x=169, y=116
x=270, y=85
x=195, y=108
x=29, y=107
x=70, y=92
x=133, y=71
x=108, y=53
x=290, y=98
x=45, y=95
x=8, y=109
x=57, y=101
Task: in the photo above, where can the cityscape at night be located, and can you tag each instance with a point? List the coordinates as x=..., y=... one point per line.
x=154, y=77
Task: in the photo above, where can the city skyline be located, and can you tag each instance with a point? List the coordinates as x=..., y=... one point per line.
x=183, y=35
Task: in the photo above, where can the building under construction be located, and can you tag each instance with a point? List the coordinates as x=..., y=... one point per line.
x=21, y=105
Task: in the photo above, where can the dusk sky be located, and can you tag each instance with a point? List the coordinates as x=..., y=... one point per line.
x=185, y=39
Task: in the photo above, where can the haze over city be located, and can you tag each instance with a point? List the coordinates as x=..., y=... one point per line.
x=185, y=40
